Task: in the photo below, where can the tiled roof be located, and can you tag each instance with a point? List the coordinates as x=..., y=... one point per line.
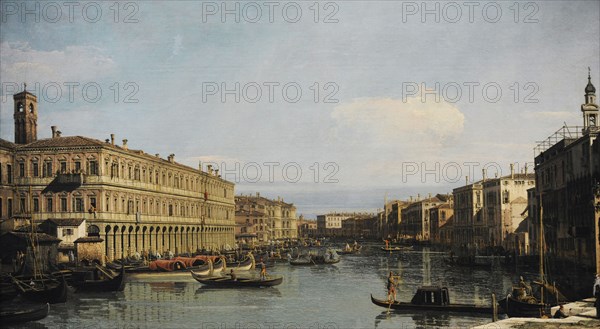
x=66, y=221
x=69, y=141
x=6, y=144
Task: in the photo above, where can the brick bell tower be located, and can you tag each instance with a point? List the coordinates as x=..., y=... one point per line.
x=25, y=117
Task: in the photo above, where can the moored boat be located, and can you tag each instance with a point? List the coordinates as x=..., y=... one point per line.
x=43, y=289
x=11, y=314
x=100, y=279
x=433, y=298
x=225, y=282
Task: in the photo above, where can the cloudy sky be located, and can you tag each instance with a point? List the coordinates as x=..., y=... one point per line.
x=330, y=105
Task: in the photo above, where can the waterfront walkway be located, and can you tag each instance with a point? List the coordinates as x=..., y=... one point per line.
x=581, y=314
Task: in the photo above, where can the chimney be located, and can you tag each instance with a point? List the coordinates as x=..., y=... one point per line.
x=58, y=133
x=171, y=158
x=107, y=140
x=125, y=144
x=200, y=166
x=418, y=196
x=512, y=171
x=53, y=131
x=217, y=172
x=466, y=180
x=112, y=139
x=483, y=175
x=209, y=169
x=157, y=155
x=525, y=169
x=258, y=194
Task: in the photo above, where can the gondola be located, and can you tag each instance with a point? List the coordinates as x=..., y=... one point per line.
x=245, y=265
x=350, y=251
x=11, y=314
x=225, y=282
x=392, y=249
x=45, y=290
x=99, y=279
x=432, y=299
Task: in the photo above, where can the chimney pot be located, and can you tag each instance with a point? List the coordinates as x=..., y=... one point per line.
x=512, y=171
x=125, y=144
x=157, y=155
x=53, y=131
x=112, y=139
x=58, y=133
x=106, y=141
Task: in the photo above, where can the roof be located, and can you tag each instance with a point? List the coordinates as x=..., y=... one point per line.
x=68, y=141
x=66, y=221
x=6, y=144
x=40, y=237
x=519, y=200
x=89, y=239
x=80, y=141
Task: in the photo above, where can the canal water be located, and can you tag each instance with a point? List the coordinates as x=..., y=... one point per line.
x=318, y=297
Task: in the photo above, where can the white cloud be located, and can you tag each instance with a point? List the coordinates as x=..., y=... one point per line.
x=394, y=121
x=19, y=62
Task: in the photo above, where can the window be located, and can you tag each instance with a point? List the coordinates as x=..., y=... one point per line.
x=36, y=169
x=93, y=202
x=21, y=169
x=93, y=167
x=0, y=207
x=48, y=169
x=9, y=207
x=36, y=205
x=78, y=204
x=0, y=173
x=63, y=204
x=22, y=205
x=49, y=205
x=67, y=231
x=170, y=210
x=77, y=166
x=63, y=167
x=9, y=176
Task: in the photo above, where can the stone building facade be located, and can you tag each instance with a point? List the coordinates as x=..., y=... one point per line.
x=416, y=219
x=468, y=204
x=267, y=219
x=137, y=202
x=567, y=174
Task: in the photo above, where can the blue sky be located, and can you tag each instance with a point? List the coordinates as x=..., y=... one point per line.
x=374, y=133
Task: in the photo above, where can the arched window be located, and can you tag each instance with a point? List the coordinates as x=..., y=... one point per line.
x=20, y=107
x=30, y=108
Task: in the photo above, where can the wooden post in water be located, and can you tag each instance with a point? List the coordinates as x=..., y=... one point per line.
x=494, y=308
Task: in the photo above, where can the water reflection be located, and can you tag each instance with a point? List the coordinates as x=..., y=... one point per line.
x=337, y=294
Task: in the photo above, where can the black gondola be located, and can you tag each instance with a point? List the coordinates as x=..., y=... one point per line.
x=11, y=314
x=99, y=279
x=225, y=282
x=432, y=299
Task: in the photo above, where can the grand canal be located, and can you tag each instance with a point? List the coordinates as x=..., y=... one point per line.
x=330, y=296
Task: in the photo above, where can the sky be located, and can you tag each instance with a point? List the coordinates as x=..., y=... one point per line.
x=332, y=105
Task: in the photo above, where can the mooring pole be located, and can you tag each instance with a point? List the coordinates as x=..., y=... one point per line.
x=494, y=308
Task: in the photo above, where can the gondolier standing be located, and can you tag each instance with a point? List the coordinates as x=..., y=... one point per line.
x=391, y=287
x=263, y=271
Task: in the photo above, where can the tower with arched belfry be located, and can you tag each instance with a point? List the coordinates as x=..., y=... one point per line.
x=25, y=116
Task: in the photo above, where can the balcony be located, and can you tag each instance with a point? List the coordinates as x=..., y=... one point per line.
x=69, y=179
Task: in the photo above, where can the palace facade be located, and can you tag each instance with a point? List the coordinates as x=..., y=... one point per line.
x=134, y=201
